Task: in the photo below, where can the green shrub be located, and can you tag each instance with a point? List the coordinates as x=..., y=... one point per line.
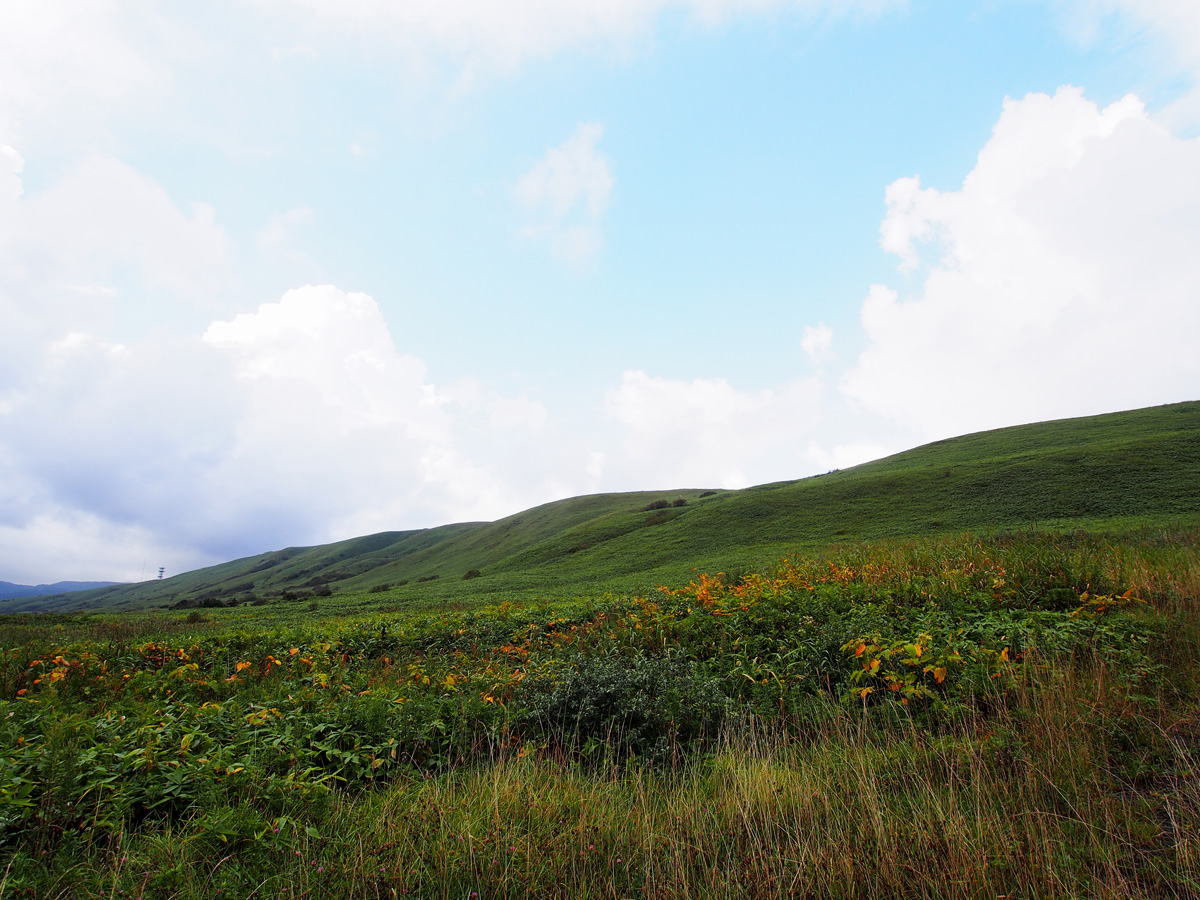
x=642, y=706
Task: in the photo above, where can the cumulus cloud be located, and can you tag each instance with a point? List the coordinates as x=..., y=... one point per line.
x=707, y=433
x=341, y=420
x=124, y=434
x=1061, y=279
x=569, y=189
x=299, y=422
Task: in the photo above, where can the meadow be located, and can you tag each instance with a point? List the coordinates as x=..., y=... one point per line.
x=988, y=714
x=1114, y=471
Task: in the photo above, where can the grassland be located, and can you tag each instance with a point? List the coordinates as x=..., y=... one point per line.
x=961, y=710
x=1129, y=468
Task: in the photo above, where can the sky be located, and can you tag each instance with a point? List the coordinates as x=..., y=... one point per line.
x=282, y=272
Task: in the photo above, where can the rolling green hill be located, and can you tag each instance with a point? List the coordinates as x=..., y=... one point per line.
x=1141, y=466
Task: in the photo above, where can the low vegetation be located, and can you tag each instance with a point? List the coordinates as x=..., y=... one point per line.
x=970, y=715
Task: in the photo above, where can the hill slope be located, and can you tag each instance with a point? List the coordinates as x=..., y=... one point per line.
x=1142, y=465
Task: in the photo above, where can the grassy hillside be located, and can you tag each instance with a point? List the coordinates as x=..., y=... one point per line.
x=1141, y=466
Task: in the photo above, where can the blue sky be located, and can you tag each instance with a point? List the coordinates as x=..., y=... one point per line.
x=278, y=272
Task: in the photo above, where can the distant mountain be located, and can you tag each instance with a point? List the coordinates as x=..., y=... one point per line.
x=1139, y=468
x=9, y=591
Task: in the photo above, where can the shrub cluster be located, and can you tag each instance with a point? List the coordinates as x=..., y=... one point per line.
x=664, y=504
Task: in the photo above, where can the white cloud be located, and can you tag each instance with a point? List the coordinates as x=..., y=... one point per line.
x=125, y=435
x=569, y=189
x=817, y=342
x=572, y=173
x=105, y=214
x=67, y=65
x=297, y=423
x=101, y=233
x=335, y=344
x=1172, y=25
x=706, y=433
x=576, y=244
x=502, y=35
x=1063, y=277
x=282, y=228
x=344, y=423
x=843, y=456
x=84, y=547
x=10, y=179
x=346, y=435
x=500, y=411
x=71, y=57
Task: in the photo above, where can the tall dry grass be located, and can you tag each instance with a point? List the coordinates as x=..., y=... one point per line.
x=1023, y=802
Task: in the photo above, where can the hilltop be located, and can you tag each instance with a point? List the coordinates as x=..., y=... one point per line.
x=1114, y=470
